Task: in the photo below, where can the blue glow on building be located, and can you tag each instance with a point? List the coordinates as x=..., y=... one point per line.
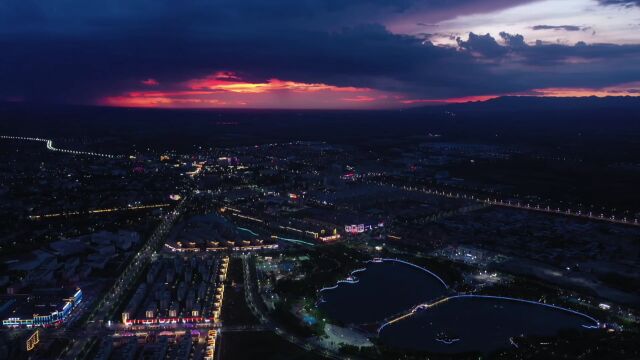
x=55, y=317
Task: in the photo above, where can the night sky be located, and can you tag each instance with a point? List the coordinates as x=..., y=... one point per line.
x=314, y=53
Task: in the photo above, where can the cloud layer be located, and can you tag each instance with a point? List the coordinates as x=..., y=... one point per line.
x=78, y=52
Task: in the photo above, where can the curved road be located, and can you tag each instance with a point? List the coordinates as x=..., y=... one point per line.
x=49, y=144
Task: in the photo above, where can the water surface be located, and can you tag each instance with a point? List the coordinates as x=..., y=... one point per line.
x=381, y=290
x=482, y=324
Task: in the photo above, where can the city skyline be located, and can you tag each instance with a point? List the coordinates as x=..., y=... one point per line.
x=319, y=179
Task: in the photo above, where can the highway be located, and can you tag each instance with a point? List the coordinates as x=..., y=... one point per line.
x=49, y=144
x=517, y=205
x=97, y=211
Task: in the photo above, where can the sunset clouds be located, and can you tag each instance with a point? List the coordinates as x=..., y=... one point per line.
x=313, y=54
x=227, y=89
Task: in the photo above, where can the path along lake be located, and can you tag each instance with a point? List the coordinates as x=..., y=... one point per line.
x=382, y=290
x=462, y=323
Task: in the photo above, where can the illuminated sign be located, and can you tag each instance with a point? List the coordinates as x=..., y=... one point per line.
x=33, y=340
x=349, y=176
x=355, y=229
x=330, y=238
x=360, y=228
x=211, y=344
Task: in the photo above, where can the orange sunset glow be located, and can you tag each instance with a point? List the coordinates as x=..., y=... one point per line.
x=627, y=89
x=459, y=100
x=228, y=81
x=227, y=89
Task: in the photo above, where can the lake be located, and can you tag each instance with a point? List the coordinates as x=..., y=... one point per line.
x=382, y=290
x=459, y=323
x=483, y=324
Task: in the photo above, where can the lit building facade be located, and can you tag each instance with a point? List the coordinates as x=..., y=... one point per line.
x=57, y=316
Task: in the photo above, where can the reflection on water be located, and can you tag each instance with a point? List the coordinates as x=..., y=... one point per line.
x=476, y=323
x=443, y=323
x=382, y=290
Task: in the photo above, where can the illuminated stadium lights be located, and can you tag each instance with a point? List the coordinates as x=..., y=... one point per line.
x=49, y=144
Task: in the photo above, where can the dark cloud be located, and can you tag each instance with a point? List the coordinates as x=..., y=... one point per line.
x=515, y=50
x=561, y=27
x=74, y=15
x=74, y=51
x=483, y=45
x=513, y=41
x=626, y=3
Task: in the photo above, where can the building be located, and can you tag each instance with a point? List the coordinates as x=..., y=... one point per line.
x=44, y=308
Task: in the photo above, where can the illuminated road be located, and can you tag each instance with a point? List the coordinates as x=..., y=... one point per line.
x=286, y=239
x=49, y=144
x=98, y=211
x=294, y=241
x=518, y=205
